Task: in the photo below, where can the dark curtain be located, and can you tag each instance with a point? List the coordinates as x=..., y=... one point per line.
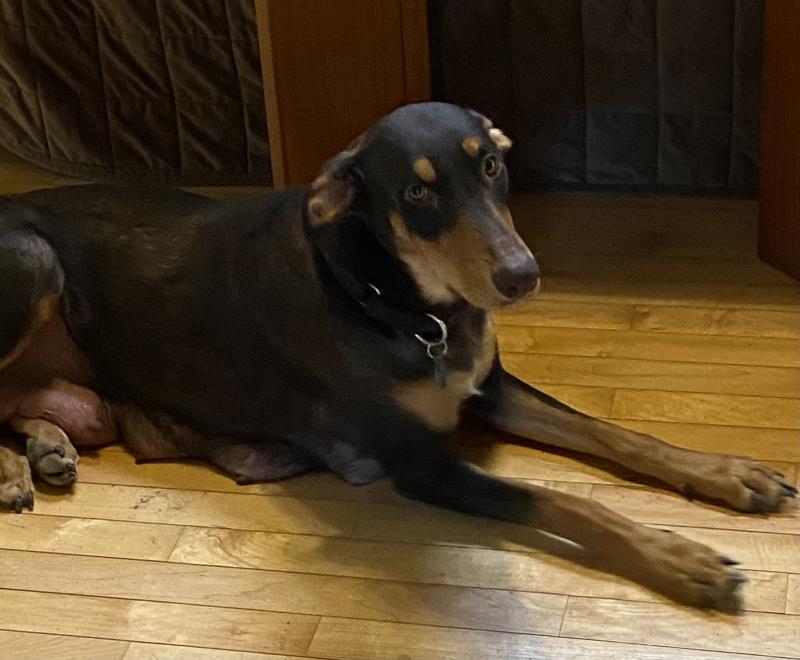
x=642, y=94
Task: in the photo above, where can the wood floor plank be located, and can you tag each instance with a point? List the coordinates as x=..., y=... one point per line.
x=733, y=322
x=595, y=401
x=139, y=651
x=408, y=521
x=681, y=294
x=343, y=639
x=19, y=176
x=178, y=507
x=558, y=314
x=84, y=536
x=758, y=551
x=610, y=620
x=590, y=266
x=722, y=409
x=654, y=374
x=764, y=591
x=761, y=443
x=35, y=646
x=793, y=595
x=296, y=593
x=166, y=623
x=426, y=564
x=548, y=235
x=711, y=349
x=665, y=508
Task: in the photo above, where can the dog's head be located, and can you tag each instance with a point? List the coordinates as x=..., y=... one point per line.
x=430, y=181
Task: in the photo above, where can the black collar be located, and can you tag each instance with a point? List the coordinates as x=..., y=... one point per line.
x=427, y=328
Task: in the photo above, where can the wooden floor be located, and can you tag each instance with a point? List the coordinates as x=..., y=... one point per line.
x=654, y=313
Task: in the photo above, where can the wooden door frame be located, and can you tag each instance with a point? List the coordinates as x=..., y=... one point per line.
x=330, y=69
x=779, y=222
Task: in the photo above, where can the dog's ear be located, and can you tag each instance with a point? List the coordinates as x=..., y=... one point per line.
x=500, y=139
x=334, y=190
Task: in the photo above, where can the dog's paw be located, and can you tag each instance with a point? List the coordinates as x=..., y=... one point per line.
x=691, y=572
x=16, y=485
x=743, y=483
x=52, y=456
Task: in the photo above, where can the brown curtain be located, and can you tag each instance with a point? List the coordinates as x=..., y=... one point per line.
x=134, y=90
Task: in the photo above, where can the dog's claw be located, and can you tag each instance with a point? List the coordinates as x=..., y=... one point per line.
x=788, y=490
x=23, y=501
x=730, y=562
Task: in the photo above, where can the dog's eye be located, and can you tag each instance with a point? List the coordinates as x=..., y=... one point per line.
x=417, y=193
x=491, y=166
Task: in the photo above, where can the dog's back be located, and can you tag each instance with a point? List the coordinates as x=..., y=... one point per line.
x=173, y=317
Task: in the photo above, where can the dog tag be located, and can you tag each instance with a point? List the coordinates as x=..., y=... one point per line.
x=440, y=370
x=436, y=351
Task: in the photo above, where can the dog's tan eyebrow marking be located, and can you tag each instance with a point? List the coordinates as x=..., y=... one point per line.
x=472, y=145
x=423, y=168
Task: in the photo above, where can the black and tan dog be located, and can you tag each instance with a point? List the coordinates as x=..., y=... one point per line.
x=344, y=325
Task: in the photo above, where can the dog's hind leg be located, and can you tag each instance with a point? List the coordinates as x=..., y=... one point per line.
x=85, y=418
x=54, y=416
x=49, y=450
x=31, y=284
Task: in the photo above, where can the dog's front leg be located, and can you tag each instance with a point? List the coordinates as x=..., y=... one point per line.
x=517, y=408
x=684, y=570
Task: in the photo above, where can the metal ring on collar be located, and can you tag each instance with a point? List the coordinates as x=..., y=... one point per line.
x=436, y=342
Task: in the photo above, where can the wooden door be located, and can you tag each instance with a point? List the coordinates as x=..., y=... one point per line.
x=779, y=226
x=331, y=68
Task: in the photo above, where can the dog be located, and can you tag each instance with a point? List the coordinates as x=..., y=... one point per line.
x=344, y=325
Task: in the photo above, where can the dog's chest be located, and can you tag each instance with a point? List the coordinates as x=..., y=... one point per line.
x=438, y=407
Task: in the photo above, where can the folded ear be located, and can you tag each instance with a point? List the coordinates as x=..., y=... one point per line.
x=334, y=190
x=500, y=139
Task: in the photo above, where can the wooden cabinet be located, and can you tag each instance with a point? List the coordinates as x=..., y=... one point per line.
x=779, y=226
x=331, y=68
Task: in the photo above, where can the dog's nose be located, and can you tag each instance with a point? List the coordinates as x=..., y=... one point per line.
x=516, y=281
